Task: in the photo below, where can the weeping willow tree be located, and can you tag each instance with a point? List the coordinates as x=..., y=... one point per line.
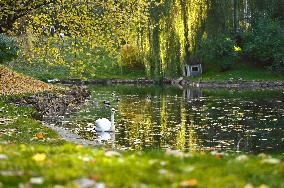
x=177, y=28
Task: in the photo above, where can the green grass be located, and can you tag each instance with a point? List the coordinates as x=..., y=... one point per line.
x=245, y=71
x=106, y=69
x=25, y=156
x=64, y=164
x=18, y=126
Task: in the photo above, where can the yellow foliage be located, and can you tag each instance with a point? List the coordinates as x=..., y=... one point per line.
x=131, y=57
x=39, y=157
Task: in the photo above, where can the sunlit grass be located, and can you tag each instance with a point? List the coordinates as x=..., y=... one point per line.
x=61, y=165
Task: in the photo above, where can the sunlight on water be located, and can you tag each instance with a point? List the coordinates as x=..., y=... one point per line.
x=190, y=119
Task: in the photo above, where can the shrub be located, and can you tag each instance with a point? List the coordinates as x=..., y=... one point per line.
x=132, y=58
x=265, y=43
x=220, y=49
x=8, y=48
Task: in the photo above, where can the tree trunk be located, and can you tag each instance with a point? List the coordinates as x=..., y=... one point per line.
x=235, y=16
x=185, y=20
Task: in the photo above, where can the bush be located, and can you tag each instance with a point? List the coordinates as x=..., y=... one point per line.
x=265, y=43
x=132, y=58
x=8, y=48
x=220, y=49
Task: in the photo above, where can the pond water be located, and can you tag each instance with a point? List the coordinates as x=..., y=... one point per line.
x=189, y=119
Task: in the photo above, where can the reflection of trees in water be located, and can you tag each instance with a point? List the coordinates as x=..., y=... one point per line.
x=192, y=93
x=200, y=121
x=160, y=123
x=227, y=123
x=136, y=123
x=186, y=138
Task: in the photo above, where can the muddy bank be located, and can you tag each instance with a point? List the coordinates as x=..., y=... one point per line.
x=53, y=107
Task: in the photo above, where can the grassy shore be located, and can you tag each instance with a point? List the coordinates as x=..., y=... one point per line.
x=212, y=72
x=243, y=71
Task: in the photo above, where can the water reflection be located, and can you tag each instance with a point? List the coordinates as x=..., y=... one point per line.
x=191, y=119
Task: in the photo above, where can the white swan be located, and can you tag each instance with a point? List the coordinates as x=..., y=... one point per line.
x=104, y=125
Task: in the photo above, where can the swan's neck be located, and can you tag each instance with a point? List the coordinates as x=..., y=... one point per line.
x=112, y=122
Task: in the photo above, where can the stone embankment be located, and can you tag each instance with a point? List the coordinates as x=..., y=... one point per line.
x=104, y=81
x=233, y=83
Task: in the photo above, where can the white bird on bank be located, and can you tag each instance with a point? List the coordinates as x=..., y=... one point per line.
x=104, y=125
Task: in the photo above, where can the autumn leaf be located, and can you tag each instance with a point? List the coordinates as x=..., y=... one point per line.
x=39, y=157
x=39, y=135
x=189, y=183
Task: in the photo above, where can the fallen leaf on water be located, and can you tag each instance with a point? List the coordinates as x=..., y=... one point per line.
x=39, y=135
x=39, y=157
x=189, y=183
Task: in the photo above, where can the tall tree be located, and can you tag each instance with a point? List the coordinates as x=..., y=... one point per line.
x=12, y=10
x=184, y=14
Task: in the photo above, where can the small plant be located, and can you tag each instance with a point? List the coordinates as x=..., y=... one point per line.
x=132, y=58
x=8, y=48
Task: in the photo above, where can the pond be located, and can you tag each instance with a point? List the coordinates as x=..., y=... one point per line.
x=187, y=119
